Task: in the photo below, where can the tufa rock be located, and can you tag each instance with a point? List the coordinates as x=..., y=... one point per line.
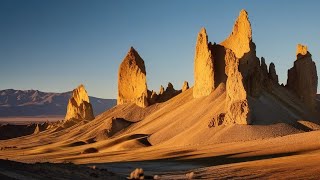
x=303, y=79
x=217, y=120
x=167, y=94
x=132, y=82
x=237, y=106
x=79, y=107
x=203, y=67
x=37, y=129
x=138, y=173
x=273, y=74
x=302, y=51
x=241, y=37
x=264, y=67
x=240, y=42
x=185, y=86
x=161, y=90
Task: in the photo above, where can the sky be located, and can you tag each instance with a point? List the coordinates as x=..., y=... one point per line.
x=54, y=46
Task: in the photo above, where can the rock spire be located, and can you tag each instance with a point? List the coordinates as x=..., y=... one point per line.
x=303, y=78
x=79, y=107
x=132, y=81
x=203, y=67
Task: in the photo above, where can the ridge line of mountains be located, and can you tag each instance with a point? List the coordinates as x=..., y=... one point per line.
x=17, y=103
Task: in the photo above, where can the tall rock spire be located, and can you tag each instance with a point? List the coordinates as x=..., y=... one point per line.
x=79, y=107
x=132, y=81
x=203, y=67
x=241, y=37
x=303, y=78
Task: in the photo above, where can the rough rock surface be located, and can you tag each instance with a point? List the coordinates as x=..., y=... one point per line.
x=132, y=81
x=240, y=42
x=236, y=100
x=241, y=37
x=303, y=79
x=273, y=74
x=161, y=90
x=79, y=107
x=217, y=120
x=203, y=67
x=185, y=86
x=167, y=94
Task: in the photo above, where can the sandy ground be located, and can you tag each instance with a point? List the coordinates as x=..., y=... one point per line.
x=29, y=119
x=173, y=141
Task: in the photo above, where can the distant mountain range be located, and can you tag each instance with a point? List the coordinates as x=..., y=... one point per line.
x=36, y=103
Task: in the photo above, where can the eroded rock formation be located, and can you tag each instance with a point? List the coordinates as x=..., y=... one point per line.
x=273, y=74
x=185, y=86
x=240, y=42
x=236, y=101
x=132, y=81
x=203, y=67
x=302, y=77
x=79, y=107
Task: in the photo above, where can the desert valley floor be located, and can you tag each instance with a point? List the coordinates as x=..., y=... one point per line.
x=174, y=149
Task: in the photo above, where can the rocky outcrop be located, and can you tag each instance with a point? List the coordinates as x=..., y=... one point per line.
x=303, y=79
x=79, y=107
x=185, y=86
x=132, y=81
x=237, y=107
x=167, y=94
x=161, y=90
x=273, y=74
x=240, y=42
x=203, y=67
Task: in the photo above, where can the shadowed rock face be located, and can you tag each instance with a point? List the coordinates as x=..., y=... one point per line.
x=132, y=82
x=273, y=74
x=302, y=77
x=79, y=107
x=203, y=67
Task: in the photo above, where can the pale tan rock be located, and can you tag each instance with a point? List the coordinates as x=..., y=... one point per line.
x=37, y=129
x=237, y=106
x=132, y=82
x=79, y=107
x=161, y=90
x=301, y=50
x=185, y=86
x=303, y=78
x=203, y=67
x=240, y=42
x=241, y=36
x=138, y=173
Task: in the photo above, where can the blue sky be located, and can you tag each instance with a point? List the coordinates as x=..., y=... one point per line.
x=56, y=45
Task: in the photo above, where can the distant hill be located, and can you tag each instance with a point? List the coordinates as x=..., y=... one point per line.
x=37, y=103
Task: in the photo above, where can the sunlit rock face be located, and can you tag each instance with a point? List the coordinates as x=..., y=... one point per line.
x=302, y=77
x=237, y=106
x=239, y=41
x=241, y=44
x=79, y=107
x=132, y=81
x=185, y=86
x=203, y=67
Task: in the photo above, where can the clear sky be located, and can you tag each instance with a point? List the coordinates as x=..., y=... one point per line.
x=56, y=45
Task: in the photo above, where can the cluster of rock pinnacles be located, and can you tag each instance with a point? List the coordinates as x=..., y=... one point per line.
x=232, y=62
